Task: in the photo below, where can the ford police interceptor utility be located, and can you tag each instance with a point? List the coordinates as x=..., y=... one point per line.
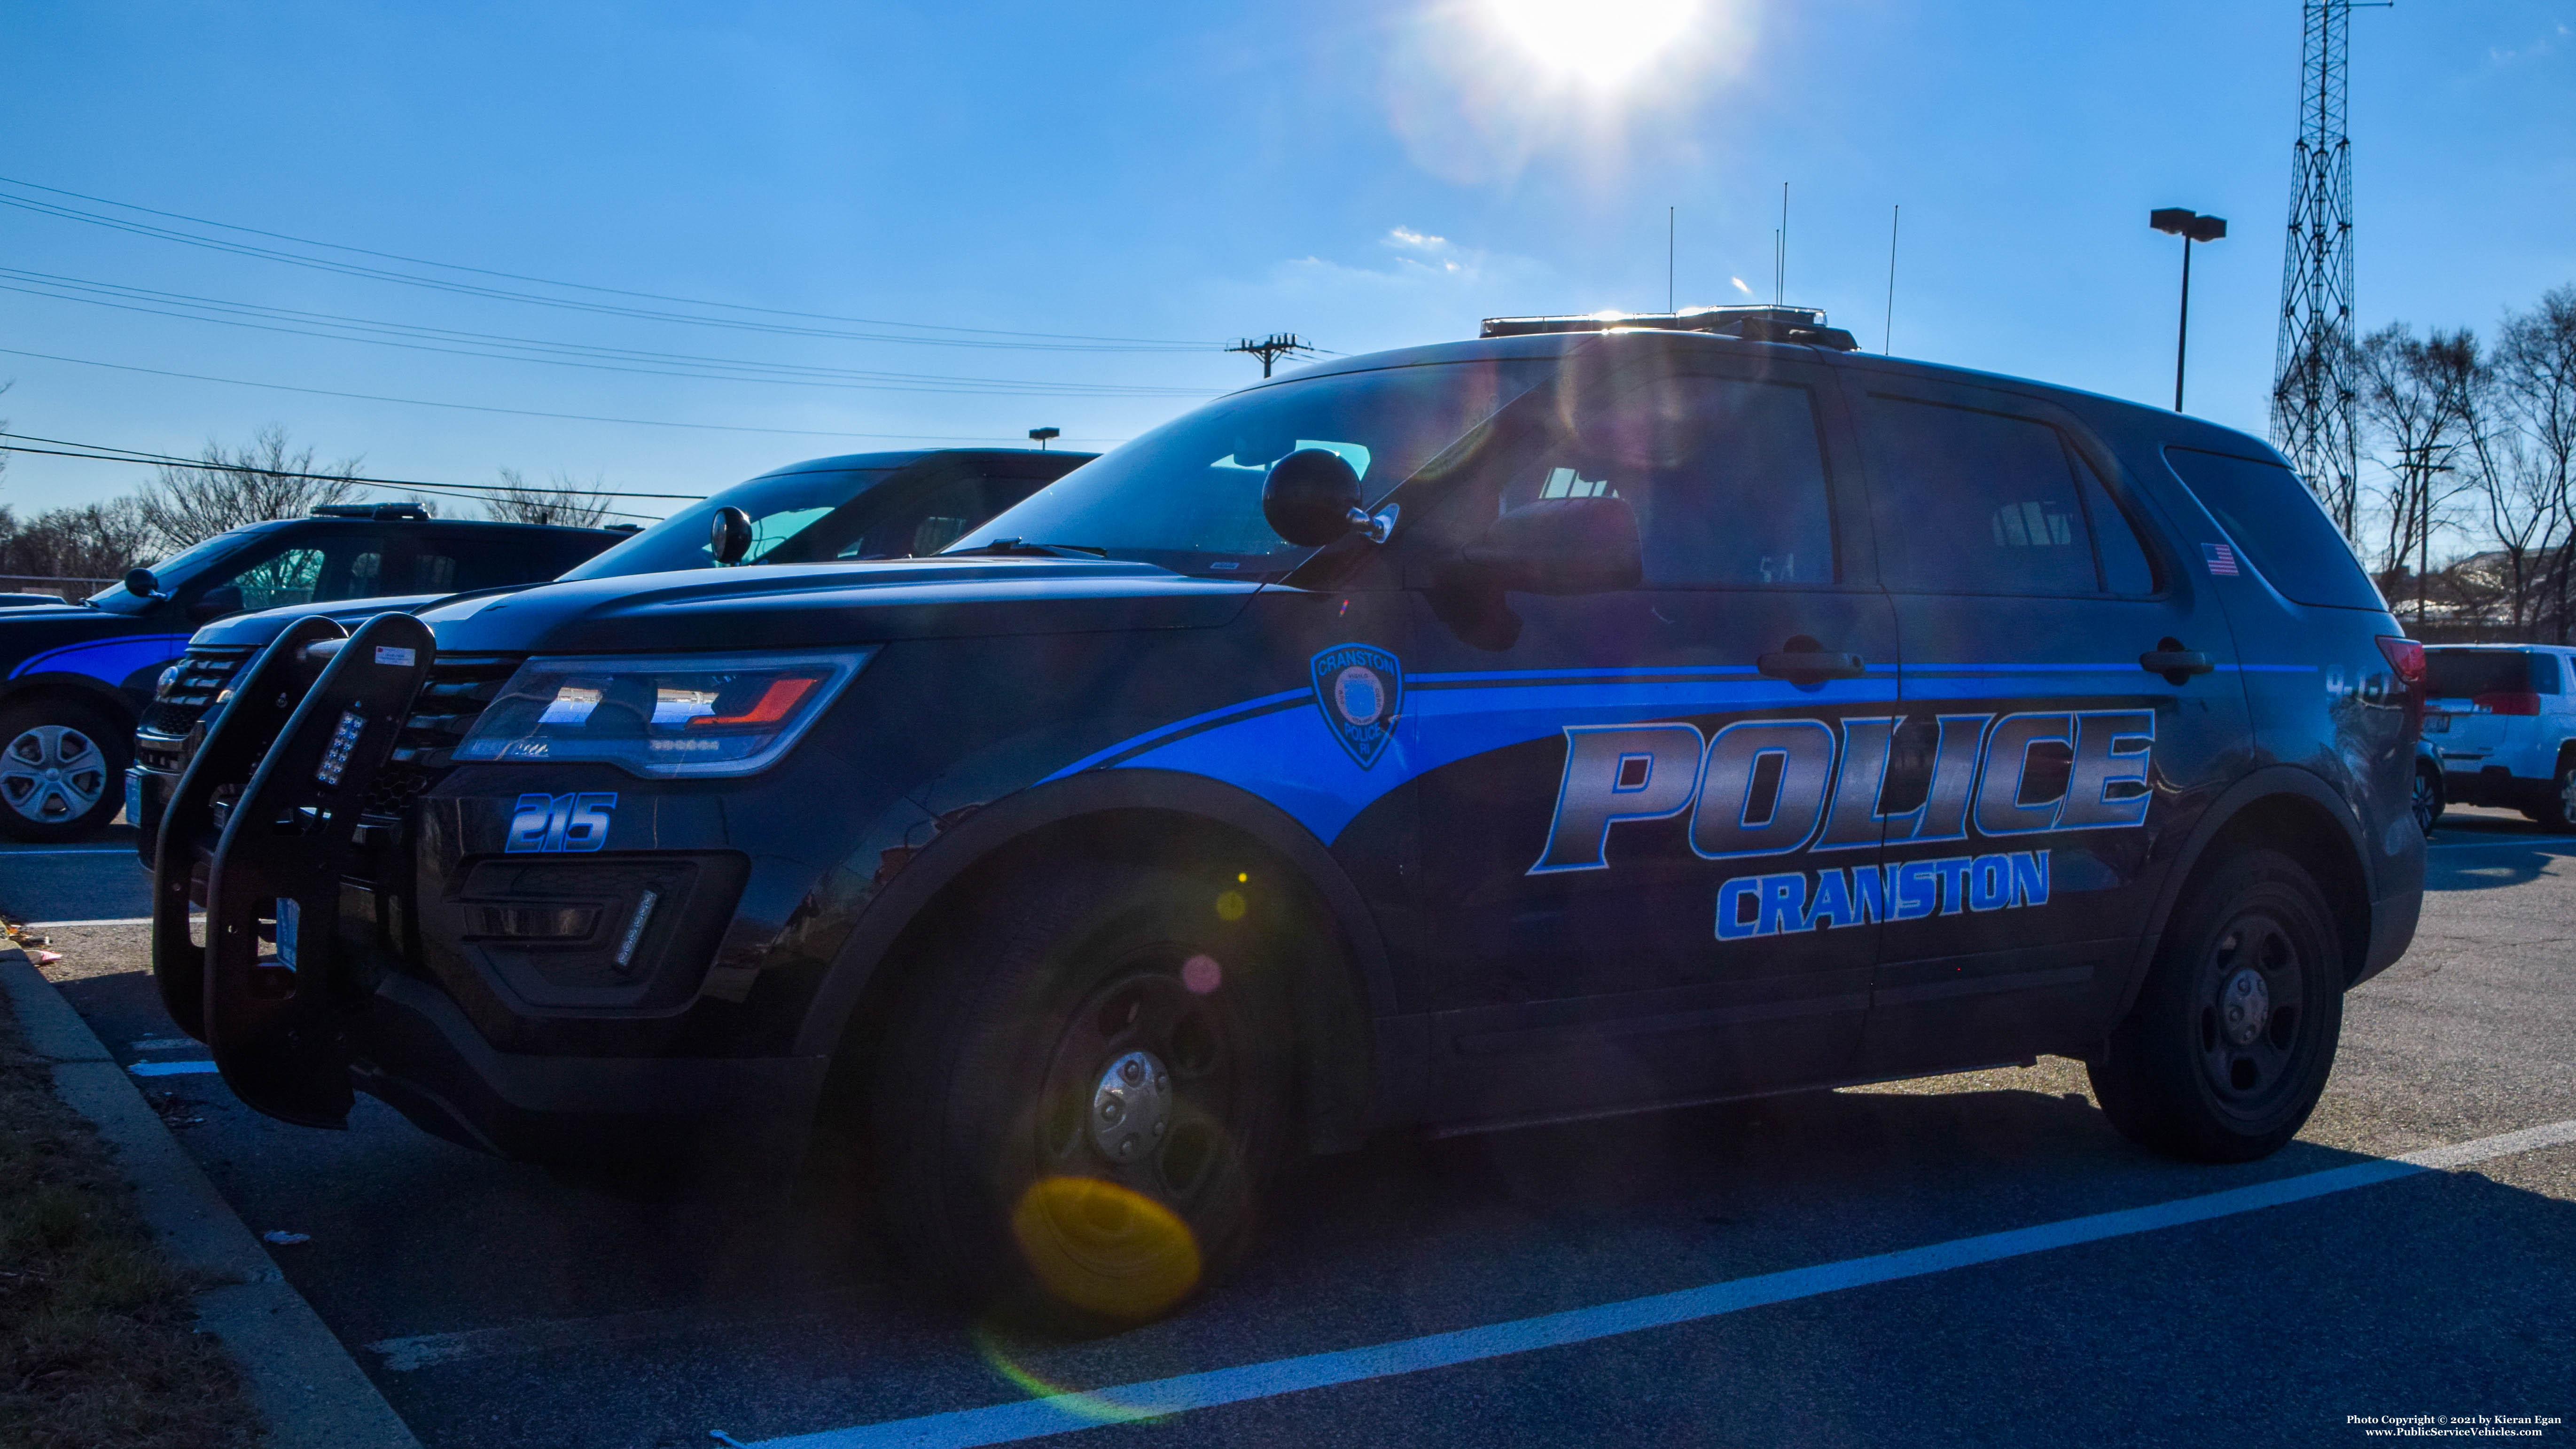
x=1584, y=718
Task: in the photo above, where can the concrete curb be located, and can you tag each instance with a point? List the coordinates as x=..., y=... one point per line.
x=312, y=1393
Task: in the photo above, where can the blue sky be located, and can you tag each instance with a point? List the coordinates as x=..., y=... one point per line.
x=1368, y=175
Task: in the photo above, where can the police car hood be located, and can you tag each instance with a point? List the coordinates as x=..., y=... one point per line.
x=805, y=606
x=258, y=629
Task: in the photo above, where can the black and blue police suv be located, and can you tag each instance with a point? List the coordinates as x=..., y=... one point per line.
x=74, y=678
x=857, y=506
x=1575, y=720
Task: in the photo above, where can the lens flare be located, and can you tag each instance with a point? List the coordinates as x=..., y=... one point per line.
x=1600, y=42
x=1105, y=1249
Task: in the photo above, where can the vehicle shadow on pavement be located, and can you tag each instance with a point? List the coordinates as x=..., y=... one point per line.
x=2500, y=861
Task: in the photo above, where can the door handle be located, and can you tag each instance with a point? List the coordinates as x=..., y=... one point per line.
x=1805, y=666
x=2174, y=662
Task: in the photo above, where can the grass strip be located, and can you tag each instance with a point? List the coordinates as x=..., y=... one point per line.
x=97, y=1343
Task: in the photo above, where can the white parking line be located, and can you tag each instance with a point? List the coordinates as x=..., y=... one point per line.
x=1064, y=1413
x=172, y=1069
x=123, y=850
x=2507, y=840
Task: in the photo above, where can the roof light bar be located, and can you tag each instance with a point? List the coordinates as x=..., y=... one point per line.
x=1804, y=325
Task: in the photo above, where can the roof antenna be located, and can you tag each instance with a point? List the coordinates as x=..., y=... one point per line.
x=1668, y=257
x=1887, y=339
x=1780, y=271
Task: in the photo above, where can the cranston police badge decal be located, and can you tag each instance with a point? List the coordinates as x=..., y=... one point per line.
x=1360, y=689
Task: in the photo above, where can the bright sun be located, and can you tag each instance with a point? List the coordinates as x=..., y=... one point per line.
x=1600, y=42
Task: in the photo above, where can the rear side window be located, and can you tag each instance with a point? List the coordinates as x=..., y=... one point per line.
x=2468, y=673
x=2272, y=518
x=455, y=564
x=1988, y=503
x=1727, y=478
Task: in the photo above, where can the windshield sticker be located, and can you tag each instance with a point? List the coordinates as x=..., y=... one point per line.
x=1360, y=689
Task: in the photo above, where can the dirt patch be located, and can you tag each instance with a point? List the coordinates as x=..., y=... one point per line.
x=97, y=1343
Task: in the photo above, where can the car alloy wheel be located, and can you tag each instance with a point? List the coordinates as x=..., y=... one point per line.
x=52, y=774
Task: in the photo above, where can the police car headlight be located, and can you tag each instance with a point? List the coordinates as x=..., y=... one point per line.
x=687, y=714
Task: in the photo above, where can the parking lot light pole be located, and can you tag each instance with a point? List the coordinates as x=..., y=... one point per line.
x=2183, y=222
x=1040, y=436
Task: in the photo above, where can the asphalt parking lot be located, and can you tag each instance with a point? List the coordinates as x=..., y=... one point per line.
x=499, y=1305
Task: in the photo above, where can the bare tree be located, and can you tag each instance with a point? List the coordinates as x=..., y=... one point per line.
x=89, y=541
x=252, y=484
x=567, y=503
x=2416, y=397
x=2535, y=367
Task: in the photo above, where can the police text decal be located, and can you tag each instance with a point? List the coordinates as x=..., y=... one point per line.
x=1769, y=787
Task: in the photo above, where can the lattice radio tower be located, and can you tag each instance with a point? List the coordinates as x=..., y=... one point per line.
x=2315, y=373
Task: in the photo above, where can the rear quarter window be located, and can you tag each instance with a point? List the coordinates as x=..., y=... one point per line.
x=2275, y=522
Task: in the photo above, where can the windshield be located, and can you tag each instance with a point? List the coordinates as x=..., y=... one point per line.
x=1187, y=496
x=781, y=505
x=171, y=573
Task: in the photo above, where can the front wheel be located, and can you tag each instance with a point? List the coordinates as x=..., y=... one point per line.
x=2233, y=1035
x=1079, y=1107
x=62, y=769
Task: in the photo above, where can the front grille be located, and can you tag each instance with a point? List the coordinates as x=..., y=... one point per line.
x=203, y=672
x=454, y=695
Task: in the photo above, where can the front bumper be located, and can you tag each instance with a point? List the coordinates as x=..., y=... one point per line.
x=533, y=1003
x=415, y=1050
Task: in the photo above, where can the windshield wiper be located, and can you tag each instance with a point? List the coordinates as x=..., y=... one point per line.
x=1040, y=550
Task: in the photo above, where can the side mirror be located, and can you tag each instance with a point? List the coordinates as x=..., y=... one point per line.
x=141, y=584
x=1309, y=497
x=729, y=535
x=1561, y=546
x=216, y=602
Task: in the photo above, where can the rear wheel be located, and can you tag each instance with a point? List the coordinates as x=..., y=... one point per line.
x=1076, y=1113
x=62, y=769
x=2233, y=1035
x=2427, y=798
x=2558, y=810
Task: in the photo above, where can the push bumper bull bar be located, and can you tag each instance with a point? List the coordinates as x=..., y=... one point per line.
x=302, y=759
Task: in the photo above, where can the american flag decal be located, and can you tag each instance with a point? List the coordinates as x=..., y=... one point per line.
x=2222, y=559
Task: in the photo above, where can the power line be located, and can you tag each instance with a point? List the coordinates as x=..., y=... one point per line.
x=843, y=378
x=971, y=336
x=173, y=460
x=449, y=491
x=527, y=412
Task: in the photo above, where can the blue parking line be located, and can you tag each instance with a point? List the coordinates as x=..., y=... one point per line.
x=1160, y=1398
x=172, y=1069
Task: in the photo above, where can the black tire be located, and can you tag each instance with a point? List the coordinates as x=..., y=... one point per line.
x=2427, y=800
x=2233, y=1035
x=1038, y=1046
x=62, y=769
x=2557, y=811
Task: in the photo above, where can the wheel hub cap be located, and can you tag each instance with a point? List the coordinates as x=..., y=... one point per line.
x=52, y=773
x=2244, y=1006
x=1131, y=1108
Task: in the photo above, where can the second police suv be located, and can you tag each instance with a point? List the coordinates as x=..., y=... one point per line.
x=1583, y=718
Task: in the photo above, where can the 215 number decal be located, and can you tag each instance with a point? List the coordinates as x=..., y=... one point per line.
x=556, y=823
